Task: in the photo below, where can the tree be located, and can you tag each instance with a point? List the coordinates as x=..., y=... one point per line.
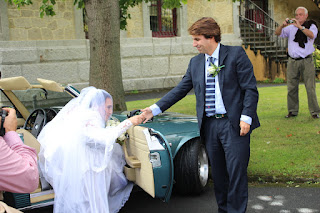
x=104, y=21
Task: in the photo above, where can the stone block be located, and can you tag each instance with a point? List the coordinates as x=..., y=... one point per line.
x=18, y=56
x=62, y=54
x=69, y=33
x=39, y=22
x=179, y=64
x=136, y=50
x=14, y=13
x=58, y=34
x=131, y=68
x=10, y=71
x=61, y=6
x=84, y=70
x=46, y=33
x=52, y=25
x=152, y=67
x=63, y=73
x=22, y=23
x=150, y=83
x=68, y=16
x=189, y=49
x=167, y=49
x=26, y=13
x=34, y=34
x=63, y=23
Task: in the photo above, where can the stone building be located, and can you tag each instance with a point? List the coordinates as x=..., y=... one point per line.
x=151, y=57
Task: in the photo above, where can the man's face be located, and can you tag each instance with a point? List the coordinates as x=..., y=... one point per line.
x=301, y=16
x=204, y=45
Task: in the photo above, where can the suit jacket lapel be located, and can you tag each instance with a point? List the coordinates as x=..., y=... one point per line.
x=222, y=55
x=201, y=74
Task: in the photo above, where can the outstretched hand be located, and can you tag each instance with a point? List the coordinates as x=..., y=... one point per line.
x=137, y=119
x=147, y=114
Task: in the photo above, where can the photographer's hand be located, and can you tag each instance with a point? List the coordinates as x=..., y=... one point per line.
x=10, y=123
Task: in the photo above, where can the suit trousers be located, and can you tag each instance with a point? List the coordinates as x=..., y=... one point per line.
x=305, y=68
x=229, y=155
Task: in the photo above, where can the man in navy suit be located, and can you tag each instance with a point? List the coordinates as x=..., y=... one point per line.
x=226, y=109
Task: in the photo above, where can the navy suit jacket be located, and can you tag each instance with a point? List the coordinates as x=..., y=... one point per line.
x=237, y=84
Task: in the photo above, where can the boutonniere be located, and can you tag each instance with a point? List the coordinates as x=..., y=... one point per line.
x=214, y=70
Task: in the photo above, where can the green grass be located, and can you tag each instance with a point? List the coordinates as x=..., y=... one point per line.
x=281, y=149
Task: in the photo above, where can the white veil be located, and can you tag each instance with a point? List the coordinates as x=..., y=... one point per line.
x=80, y=159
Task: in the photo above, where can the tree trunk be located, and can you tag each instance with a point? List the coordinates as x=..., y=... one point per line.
x=103, y=20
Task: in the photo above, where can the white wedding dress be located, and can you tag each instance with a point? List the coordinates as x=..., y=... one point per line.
x=80, y=159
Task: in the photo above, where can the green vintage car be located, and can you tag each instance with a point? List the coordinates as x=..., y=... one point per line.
x=161, y=154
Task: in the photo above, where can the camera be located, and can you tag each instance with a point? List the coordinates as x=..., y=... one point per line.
x=290, y=21
x=3, y=114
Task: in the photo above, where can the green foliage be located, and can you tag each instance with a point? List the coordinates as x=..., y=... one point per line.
x=20, y=3
x=316, y=56
x=278, y=80
x=46, y=7
x=124, y=7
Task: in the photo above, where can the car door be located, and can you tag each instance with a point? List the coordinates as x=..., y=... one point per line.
x=149, y=161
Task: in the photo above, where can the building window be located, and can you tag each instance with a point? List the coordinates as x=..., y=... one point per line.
x=163, y=22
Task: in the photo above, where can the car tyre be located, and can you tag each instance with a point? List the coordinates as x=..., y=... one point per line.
x=191, y=168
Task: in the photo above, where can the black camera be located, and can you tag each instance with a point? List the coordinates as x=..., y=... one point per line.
x=3, y=114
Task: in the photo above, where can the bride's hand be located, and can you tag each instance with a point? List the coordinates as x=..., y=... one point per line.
x=137, y=119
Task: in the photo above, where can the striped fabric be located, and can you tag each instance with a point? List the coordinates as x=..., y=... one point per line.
x=210, y=107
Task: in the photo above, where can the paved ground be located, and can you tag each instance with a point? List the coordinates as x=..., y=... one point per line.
x=261, y=199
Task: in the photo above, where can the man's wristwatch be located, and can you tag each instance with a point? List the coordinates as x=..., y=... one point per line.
x=303, y=27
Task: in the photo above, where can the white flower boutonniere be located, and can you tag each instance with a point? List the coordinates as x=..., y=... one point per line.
x=214, y=70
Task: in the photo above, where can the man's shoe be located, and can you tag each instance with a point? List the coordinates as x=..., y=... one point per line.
x=290, y=115
x=315, y=116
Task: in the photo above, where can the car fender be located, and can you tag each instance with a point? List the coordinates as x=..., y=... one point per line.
x=184, y=140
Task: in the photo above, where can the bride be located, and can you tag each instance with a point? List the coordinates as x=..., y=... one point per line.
x=79, y=156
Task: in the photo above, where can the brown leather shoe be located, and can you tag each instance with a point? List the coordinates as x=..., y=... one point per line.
x=315, y=116
x=290, y=115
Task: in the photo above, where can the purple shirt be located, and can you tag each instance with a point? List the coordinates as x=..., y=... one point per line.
x=295, y=51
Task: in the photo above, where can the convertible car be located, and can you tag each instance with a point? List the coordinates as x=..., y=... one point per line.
x=161, y=154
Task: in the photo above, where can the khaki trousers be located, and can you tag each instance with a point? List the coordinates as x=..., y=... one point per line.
x=304, y=68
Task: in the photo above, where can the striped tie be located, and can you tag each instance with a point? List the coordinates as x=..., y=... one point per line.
x=210, y=106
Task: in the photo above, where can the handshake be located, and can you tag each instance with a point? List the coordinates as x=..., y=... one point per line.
x=140, y=116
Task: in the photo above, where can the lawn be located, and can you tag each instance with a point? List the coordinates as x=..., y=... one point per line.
x=281, y=149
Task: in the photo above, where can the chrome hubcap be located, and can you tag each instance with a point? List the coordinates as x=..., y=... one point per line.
x=203, y=166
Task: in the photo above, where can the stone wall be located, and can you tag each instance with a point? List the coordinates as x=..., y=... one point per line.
x=54, y=48
x=283, y=10
x=220, y=10
x=65, y=61
x=25, y=23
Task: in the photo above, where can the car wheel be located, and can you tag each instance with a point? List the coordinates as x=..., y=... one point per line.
x=191, y=168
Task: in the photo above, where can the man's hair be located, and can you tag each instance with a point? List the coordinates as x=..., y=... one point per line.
x=207, y=27
x=305, y=10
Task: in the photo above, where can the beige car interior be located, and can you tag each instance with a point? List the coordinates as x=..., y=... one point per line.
x=137, y=154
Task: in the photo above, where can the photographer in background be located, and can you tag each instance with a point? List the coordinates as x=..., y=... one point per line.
x=301, y=34
x=18, y=162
